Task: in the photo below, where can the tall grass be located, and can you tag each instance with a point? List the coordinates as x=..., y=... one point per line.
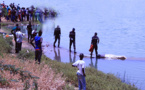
x=96, y=80
x=5, y=45
x=48, y=80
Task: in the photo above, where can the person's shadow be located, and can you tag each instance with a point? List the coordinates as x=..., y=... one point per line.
x=57, y=55
x=92, y=65
x=70, y=58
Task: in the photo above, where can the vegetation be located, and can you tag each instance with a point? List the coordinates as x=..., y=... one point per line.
x=50, y=73
x=5, y=45
x=25, y=74
x=96, y=80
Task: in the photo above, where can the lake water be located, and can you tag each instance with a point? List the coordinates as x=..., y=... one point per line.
x=120, y=25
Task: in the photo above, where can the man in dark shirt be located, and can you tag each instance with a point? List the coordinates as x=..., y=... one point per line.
x=57, y=33
x=94, y=42
x=29, y=29
x=72, y=40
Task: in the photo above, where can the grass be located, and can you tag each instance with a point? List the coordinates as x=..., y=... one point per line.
x=27, y=74
x=96, y=80
x=6, y=45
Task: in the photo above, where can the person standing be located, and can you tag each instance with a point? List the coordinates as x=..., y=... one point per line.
x=80, y=64
x=57, y=33
x=72, y=40
x=14, y=30
x=27, y=14
x=29, y=29
x=94, y=42
x=0, y=17
x=38, y=46
x=34, y=32
x=19, y=38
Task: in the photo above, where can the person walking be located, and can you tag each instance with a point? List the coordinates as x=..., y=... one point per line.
x=80, y=64
x=72, y=40
x=38, y=46
x=57, y=33
x=94, y=42
x=19, y=38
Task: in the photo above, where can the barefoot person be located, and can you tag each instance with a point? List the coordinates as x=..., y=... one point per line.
x=80, y=64
x=72, y=40
x=29, y=29
x=38, y=46
x=57, y=33
x=94, y=42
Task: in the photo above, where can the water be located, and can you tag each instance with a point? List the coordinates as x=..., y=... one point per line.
x=120, y=27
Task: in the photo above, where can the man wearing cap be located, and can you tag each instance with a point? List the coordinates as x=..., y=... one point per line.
x=80, y=64
x=72, y=40
x=94, y=42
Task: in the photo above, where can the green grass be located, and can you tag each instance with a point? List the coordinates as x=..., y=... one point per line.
x=95, y=80
x=26, y=54
x=5, y=45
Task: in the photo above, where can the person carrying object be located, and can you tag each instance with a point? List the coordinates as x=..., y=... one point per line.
x=94, y=42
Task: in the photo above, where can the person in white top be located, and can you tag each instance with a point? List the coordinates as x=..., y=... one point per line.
x=19, y=38
x=80, y=64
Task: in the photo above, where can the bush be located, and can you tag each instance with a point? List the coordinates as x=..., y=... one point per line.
x=26, y=54
x=6, y=45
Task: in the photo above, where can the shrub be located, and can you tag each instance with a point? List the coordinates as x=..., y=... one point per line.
x=26, y=54
x=6, y=45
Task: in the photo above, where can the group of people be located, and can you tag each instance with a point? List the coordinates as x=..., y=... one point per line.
x=94, y=42
x=36, y=41
x=16, y=13
x=33, y=37
x=18, y=37
x=80, y=64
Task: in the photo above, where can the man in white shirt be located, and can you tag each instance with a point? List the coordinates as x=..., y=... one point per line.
x=19, y=38
x=80, y=64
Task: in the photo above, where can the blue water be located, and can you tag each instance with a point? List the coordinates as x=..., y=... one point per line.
x=120, y=27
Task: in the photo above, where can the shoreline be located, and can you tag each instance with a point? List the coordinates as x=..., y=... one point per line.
x=68, y=55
